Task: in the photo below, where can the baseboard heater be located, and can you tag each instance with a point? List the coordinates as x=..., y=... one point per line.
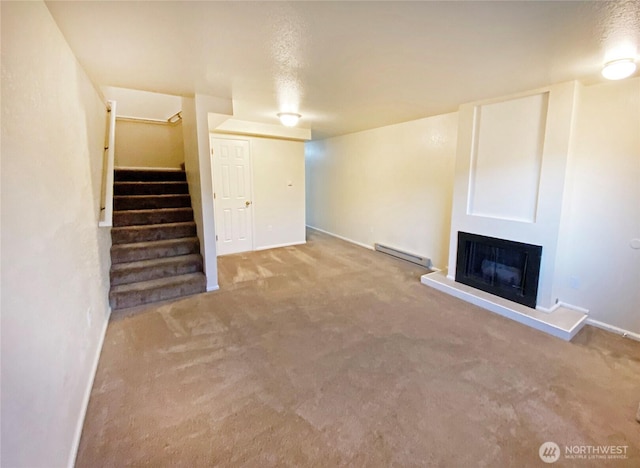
x=417, y=259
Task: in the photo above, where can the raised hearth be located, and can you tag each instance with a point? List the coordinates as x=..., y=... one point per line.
x=560, y=321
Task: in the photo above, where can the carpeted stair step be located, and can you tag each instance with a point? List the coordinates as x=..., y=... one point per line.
x=150, y=202
x=155, y=253
x=146, y=270
x=134, y=252
x=148, y=175
x=136, y=294
x=149, y=188
x=160, y=216
x=152, y=232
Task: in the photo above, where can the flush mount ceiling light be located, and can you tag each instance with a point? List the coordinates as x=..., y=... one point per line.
x=619, y=69
x=289, y=119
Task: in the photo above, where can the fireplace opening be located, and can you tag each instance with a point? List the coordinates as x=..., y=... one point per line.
x=505, y=268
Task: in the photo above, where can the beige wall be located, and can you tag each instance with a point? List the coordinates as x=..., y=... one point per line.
x=142, y=144
x=598, y=268
x=55, y=260
x=278, y=191
x=391, y=185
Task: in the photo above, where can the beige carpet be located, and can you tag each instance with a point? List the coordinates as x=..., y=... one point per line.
x=328, y=354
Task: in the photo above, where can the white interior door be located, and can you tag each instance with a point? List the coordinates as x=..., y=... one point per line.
x=232, y=195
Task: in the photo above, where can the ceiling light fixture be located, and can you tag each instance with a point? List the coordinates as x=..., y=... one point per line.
x=619, y=69
x=289, y=119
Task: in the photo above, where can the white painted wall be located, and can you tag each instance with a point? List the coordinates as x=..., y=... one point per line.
x=391, y=185
x=597, y=268
x=144, y=144
x=544, y=229
x=278, y=190
x=192, y=167
x=55, y=260
x=198, y=113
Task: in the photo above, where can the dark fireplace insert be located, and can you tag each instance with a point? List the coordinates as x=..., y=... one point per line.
x=505, y=268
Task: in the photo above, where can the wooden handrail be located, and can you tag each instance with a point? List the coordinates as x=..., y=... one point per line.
x=106, y=206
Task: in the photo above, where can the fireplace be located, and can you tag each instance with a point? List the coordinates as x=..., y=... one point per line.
x=505, y=268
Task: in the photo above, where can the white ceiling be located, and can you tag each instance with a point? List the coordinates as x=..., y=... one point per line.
x=346, y=66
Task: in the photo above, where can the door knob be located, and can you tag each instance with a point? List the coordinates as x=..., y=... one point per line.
x=247, y=203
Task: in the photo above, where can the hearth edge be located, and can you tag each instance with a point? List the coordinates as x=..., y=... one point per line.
x=562, y=322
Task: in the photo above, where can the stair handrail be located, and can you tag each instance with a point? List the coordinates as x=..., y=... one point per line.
x=172, y=120
x=106, y=205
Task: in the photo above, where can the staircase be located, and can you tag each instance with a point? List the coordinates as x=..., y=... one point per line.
x=155, y=254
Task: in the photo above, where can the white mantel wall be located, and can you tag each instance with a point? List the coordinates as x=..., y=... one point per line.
x=544, y=227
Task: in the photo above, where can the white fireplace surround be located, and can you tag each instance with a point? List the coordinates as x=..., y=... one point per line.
x=511, y=165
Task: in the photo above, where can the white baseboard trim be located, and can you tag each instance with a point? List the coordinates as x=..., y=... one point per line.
x=214, y=287
x=87, y=396
x=559, y=304
x=548, y=310
x=613, y=329
x=370, y=247
x=277, y=246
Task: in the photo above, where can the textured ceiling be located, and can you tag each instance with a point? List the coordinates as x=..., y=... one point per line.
x=346, y=66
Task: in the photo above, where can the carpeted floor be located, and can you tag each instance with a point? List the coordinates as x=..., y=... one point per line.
x=328, y=354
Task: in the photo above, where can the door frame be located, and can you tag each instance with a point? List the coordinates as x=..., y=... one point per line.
x=212, y=137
